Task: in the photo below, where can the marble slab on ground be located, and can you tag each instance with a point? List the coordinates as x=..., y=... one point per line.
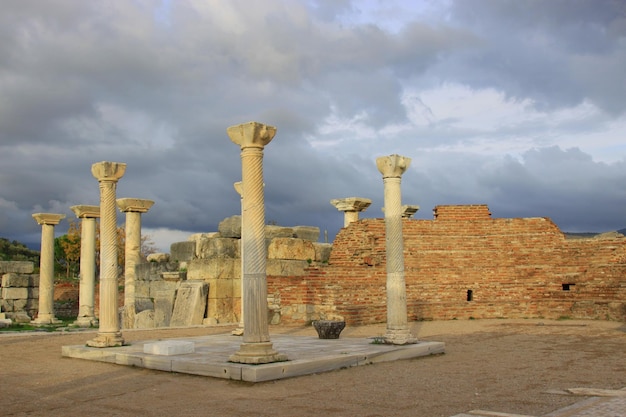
x=306, y=354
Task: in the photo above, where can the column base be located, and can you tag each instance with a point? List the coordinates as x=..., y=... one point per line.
x=399, y=337
x=238, y=331
x=86, y=322
x=104, y=340
x=45, y=320
x=257, y=353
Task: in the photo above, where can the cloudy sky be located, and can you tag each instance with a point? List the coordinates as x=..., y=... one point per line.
x=517, y=104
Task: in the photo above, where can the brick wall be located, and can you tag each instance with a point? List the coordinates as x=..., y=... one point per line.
x=460, y=265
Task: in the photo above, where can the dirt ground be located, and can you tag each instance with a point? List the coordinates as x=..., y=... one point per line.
x=497, y=365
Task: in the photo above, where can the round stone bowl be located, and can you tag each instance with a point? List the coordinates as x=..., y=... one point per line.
x=329, y=329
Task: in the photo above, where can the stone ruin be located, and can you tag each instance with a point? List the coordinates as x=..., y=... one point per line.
x=19, y=292
x=199, y=282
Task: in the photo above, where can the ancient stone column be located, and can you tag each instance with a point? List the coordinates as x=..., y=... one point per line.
x=256, y=348
x=133, y=207
x=109, y=334
x=239, y=330
x=392, y=167
x=86, y=297
x=409, y=210
x=351, y=207
x=46, y=268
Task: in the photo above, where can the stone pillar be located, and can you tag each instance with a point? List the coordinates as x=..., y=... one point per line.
x=256, y=348
x=109, y=334
x=239, y=330
x=351, y=207
x=409, y=210
x=88, y=215
x=133, y=207
x=392, y=167
x=46, y=268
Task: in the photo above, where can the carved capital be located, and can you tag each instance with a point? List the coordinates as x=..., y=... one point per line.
x=108, y=171
x=48, y=218
x=83, y=211
x=392, y=166
x=357, y=204
x=251, y=134
x=134, y=205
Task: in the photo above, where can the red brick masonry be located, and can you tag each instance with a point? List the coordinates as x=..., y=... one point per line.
x=463, y=264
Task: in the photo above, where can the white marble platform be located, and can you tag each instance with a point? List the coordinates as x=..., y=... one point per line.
x=306, y=355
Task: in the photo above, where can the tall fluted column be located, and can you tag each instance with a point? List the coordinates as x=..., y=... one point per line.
x=256, y=348
x=392, y=167
x=239, y=330
x=133, y=207
x=109, y=334
x=351, y=208
x=86, y=297
x=46, y=268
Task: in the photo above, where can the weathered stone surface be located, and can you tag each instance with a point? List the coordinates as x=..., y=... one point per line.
x=322, y=251
x=163, y=308
x=19, y=267
x=230, y=227
x=158, y=286
x=226, y=247
x=158, y=257
x=216, y=267
x=190, y=304
x=286, y=267
x=14, y=293
x=169, y=347
x=144, y=320
x=272, y=231
x=291, y=248
x=15, y=280
x=183, y=251
x=309, y=233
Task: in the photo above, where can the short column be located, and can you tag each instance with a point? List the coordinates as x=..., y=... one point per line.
x=256, y=348
x=86, y=297
x=392, y=167
x=133, y=207
x=109, y=334
x=351, y=208
x=45, y=313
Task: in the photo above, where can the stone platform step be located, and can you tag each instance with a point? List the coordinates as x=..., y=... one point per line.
x=209, y=356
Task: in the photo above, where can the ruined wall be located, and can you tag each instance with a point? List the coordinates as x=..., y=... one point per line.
x=463, y=264
x=19, y=295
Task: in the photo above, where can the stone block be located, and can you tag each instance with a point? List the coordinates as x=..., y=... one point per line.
x=223, y=288
x=14, y=280
x=183, y=251
x=158, y=257
x=9, y=293
x=158, y=286
x=142, y=289
x=190, y=303
x=18, y=267
x=142, y=304
x=310, y=233
x=144, y=320
x=291, y=248
x=322, y=251
x=33, y=293
x=33, y=280
x=169, y=347
x=218, y=246
x=163, y=308
x=272, y=231
x=217, y=267
x=230, y=227
x=285, y=267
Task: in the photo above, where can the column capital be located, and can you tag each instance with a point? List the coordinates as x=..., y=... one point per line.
x=409, y=210
x=239, y=187
x=48, y=218
x=108, y=171
x=251, y=134
x=392, y=166
x=357, y=204
x=134, y=205
x=86, y=212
